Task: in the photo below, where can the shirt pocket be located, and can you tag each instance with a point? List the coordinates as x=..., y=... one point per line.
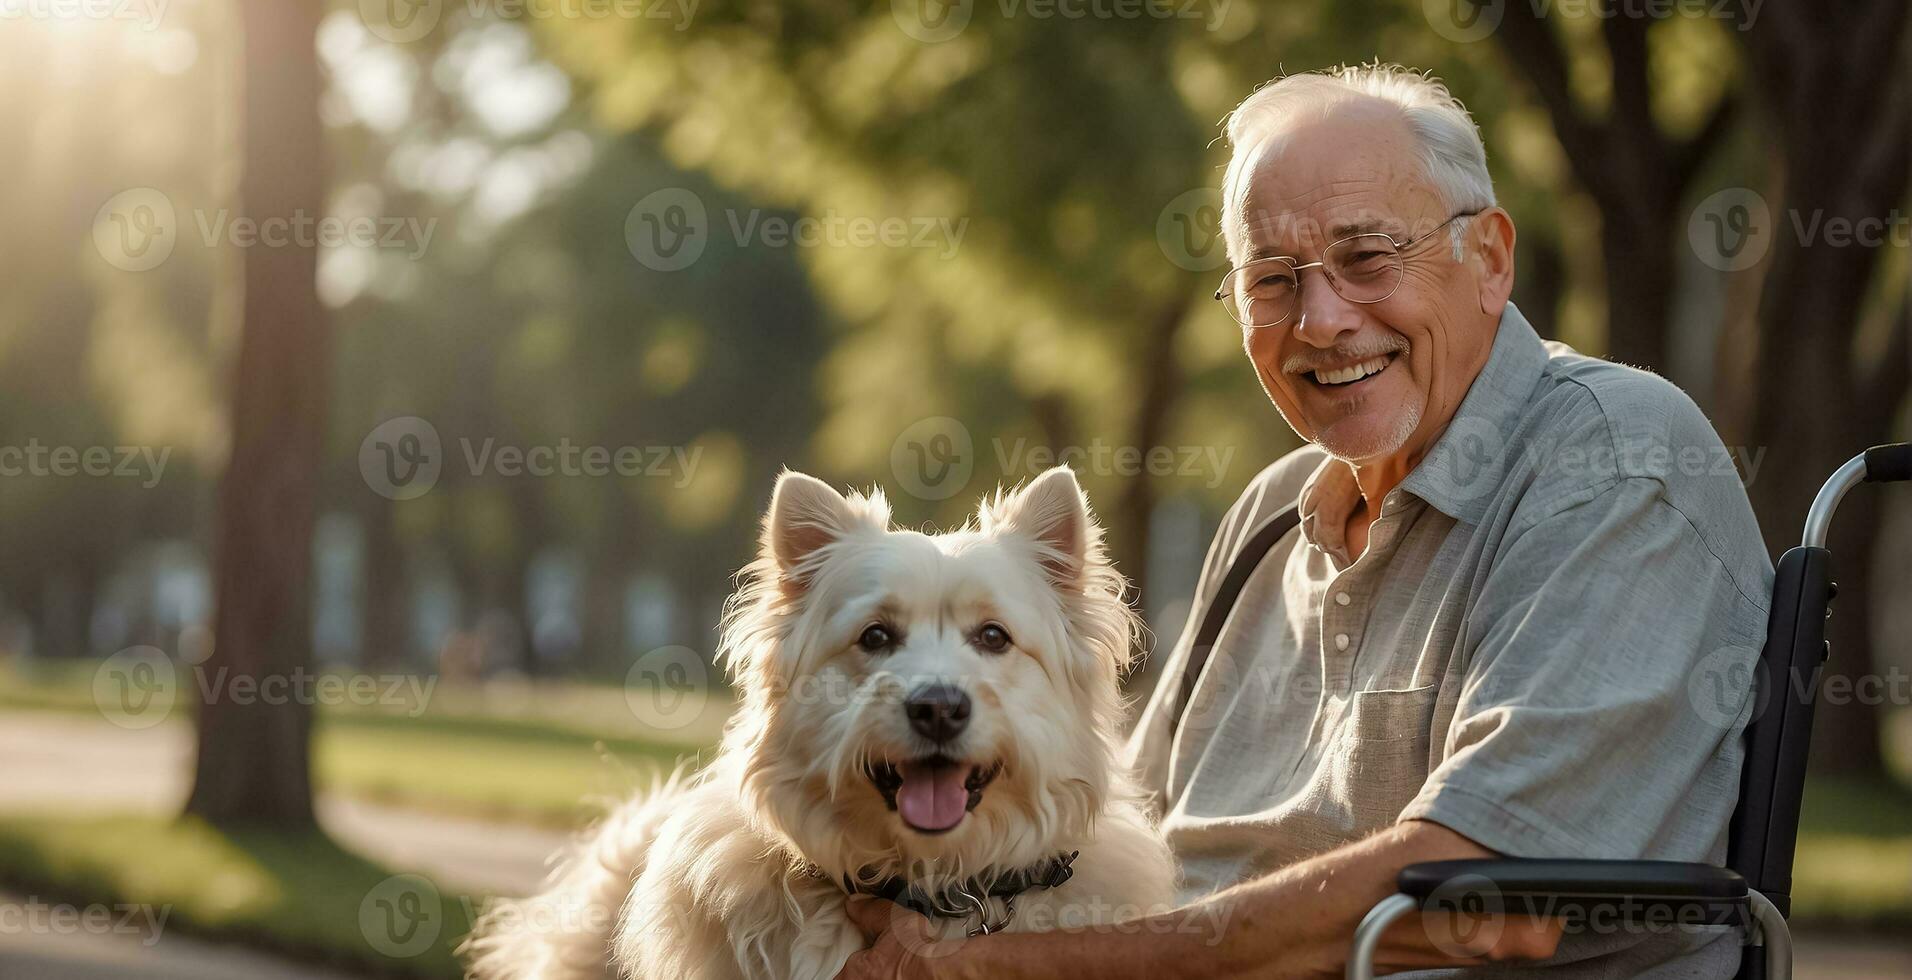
x=1390, y=716
x=1378, y=758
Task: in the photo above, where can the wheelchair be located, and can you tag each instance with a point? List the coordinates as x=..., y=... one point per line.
x=1753, y=890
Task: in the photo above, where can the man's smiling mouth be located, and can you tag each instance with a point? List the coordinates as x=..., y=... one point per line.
x=1351, y=374
x=934, y=793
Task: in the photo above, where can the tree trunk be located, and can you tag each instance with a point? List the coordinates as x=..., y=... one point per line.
x=1639, y=265
x=66, y=611
x=1161, y=386
x=616, y=549
x=1813, y=434
x=385, y=638
x=605, y=648
x=529, y=534
x=1633, y=170
x=1540, y=285
x=1806, y=321
x=1834, y=79
x=253, y=764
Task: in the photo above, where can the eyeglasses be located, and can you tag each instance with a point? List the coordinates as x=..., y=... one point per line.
x=1363, y=268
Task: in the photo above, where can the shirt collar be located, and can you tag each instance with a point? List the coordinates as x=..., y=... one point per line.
x=1469, y=460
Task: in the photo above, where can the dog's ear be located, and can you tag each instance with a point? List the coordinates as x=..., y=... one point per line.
x=806, y=514
x=1053, y=512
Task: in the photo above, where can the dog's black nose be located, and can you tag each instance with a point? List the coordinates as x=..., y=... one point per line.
x=938, y=712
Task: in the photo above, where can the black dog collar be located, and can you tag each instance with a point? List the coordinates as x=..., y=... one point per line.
x=961, y=899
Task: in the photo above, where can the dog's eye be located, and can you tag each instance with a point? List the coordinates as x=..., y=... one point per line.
x=876, y=638
x=992, y=638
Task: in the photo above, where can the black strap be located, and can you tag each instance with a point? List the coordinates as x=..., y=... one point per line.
x=934, y=903
x=1223, y=601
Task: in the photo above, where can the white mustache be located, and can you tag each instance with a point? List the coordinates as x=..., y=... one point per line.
x=1313, y=360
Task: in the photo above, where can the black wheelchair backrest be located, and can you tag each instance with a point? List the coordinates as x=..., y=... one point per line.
x=1772, y=781
x=1765, y=826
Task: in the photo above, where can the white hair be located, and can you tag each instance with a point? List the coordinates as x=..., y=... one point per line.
x=1453, y=159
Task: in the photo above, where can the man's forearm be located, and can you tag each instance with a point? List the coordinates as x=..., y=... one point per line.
x=1127, y=950
x=1296, y=922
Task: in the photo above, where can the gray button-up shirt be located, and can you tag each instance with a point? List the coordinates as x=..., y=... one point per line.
x=1534, y=650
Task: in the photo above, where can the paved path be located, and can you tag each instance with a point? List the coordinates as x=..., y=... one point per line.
x=1839, y=958
x=46, y=954
x=72, y=762
x=75, y=762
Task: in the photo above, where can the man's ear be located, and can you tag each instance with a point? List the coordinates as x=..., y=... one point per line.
x=1053, y=514
x=806, y=515
x=1495, y=230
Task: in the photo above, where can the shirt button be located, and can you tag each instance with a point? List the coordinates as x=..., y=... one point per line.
x=1341, y=599
x=1341, y=641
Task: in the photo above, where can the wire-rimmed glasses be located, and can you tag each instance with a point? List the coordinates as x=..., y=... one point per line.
x=1365, y=268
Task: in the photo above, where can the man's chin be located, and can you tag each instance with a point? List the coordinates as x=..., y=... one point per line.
x=1363, y=438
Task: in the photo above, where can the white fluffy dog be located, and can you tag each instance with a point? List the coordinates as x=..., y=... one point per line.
x=929, y=718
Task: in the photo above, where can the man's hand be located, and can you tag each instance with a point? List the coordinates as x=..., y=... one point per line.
x=901, y=947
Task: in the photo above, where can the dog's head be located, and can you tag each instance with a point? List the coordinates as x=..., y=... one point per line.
x=914, y=700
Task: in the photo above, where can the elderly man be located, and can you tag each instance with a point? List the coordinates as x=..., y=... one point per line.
x=1489, y=634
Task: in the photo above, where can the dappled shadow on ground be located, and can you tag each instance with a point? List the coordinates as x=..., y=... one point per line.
x=297, y=893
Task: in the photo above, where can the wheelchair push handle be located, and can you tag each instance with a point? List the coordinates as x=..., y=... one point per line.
x=1880, y=464
x=1889, y=464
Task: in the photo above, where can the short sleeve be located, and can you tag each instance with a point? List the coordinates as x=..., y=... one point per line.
x=1595, y=704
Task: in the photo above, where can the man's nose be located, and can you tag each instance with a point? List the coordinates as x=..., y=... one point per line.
x=1321, y=315
x=938, y=712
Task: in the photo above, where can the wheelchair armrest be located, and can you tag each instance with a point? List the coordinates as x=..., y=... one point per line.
x=1588, y=894
x=1630, y=891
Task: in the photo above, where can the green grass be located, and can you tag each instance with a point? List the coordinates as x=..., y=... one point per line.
x=499, y=769
x=1854, y=862
x=299, y=894
x=48, y=685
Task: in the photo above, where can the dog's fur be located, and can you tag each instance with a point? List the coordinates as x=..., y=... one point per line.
x=734, y=872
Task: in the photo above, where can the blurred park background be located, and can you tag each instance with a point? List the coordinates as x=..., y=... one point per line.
x=389, y=389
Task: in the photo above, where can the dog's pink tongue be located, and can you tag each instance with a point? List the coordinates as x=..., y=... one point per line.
x=931, y=797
